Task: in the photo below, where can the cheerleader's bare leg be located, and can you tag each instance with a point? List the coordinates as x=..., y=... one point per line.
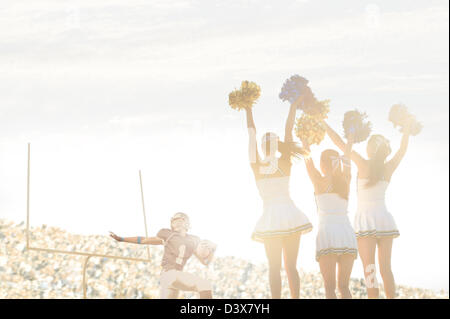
x=384, y=260
x=327, y=265
x=366, y=248
x=345, y=266
x=290, y=252
x=273, y=247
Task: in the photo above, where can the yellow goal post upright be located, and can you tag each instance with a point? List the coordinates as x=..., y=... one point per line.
x=88, y=255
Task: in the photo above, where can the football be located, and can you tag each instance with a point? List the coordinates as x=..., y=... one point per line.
x=205, y=248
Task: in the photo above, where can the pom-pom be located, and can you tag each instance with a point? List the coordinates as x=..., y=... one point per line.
x=234, y=99
x=416, y=127
x=400, y=116
x=354, y=123
x=293, y=88
x=317, y=108
x=297, y=86
x=310, y=129
x=245, y=97
x=250, y=92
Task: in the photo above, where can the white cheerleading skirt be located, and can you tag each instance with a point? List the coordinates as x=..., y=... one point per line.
x=280, y=218
x=373, y=219
x=335, y=236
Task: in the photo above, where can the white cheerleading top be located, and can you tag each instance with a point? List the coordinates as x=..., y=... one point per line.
x=372, y=217
x=335, y=234
x=280, y=215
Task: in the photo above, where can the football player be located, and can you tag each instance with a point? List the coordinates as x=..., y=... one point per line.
x=179, y=246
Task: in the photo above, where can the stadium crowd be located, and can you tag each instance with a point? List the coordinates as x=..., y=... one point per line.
x=36, y=274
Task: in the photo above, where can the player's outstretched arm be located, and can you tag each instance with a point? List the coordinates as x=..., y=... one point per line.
x=138, y=240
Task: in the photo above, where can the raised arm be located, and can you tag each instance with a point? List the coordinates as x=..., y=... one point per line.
x=339, y=142
x=393, y=163
x=252, y=146
x=291, y=121
x=138, y=240
x=347, y=167
x=313, y=173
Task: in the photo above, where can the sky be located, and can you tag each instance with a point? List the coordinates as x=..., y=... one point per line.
x=103, y=89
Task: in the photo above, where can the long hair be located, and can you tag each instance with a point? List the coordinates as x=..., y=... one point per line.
x=291, y=149
x=330, y=162
x=378, y=149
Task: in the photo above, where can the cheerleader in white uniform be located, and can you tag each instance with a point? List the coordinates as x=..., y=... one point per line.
x=372, y=217
x=336, y=240
x=374, y=225
x=281, y=223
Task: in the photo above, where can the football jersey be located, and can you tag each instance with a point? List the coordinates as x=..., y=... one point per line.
x=177, y=248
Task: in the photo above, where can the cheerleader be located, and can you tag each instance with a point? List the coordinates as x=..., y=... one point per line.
x=281, y=223
x=336, y=240
x=374, y=225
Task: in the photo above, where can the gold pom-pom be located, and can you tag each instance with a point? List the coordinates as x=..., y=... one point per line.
x=319, y=109
x=234, y=98
x=310, y=129
x=245, y=97
x=400, y=116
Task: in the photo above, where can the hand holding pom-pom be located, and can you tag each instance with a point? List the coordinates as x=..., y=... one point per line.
x=310, y=130
x=355, y=125
x=400, y=116
x=245, y=97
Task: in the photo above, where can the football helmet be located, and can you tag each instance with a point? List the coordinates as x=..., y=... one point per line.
x=182, y=216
